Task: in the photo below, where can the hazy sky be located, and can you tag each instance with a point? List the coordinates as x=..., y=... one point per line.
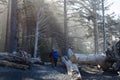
x=115, y=7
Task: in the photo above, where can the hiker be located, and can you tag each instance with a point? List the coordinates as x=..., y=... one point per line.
x=51, y=58
x=117, y=47
x=54, y=57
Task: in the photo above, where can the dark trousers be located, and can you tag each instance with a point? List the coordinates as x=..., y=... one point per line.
x=55, y=61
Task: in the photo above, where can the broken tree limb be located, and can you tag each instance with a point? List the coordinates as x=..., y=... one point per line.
x=72, y=68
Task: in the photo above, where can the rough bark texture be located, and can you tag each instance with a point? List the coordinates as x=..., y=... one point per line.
x=15, y=60
x=14, y=65
x=19, y=60
x=93, y=59
x=72, y=68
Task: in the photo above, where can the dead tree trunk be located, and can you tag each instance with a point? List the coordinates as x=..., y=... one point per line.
x=13, y=31
x=14, y=65
x=72, y=68
x=92, y=59
x=105, y=61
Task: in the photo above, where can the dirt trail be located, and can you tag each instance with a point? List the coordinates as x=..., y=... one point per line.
x=41, y=72
x=46, y=72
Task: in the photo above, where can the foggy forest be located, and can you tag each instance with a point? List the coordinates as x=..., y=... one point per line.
x=59, y=40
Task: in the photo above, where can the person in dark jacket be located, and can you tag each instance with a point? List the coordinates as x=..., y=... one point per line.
x=117, y=47
x=51, y=59
x=54, y=57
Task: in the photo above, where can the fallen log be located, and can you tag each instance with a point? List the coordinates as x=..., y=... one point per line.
x=16, y=59
x=72, y=68
x=88, y=58
x=12, y=64
x=4, y=53
x=100, y=60
x=92, y=59
x=68, y=65
x=21, y=58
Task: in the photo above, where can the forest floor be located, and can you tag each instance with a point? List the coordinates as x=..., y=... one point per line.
x=93, y=73
x=46, y=72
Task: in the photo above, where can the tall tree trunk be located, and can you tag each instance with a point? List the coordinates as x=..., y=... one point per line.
x=36, y=39
x=13, y=31
x=104, y=31
x=8, y=26
x=96, y=32
x=65, y=27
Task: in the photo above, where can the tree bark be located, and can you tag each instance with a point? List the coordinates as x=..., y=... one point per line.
x=14, y=65
x=14, y=59
x=93, y=59
x=88, y=58
x=72, y=68
x=13, y=31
